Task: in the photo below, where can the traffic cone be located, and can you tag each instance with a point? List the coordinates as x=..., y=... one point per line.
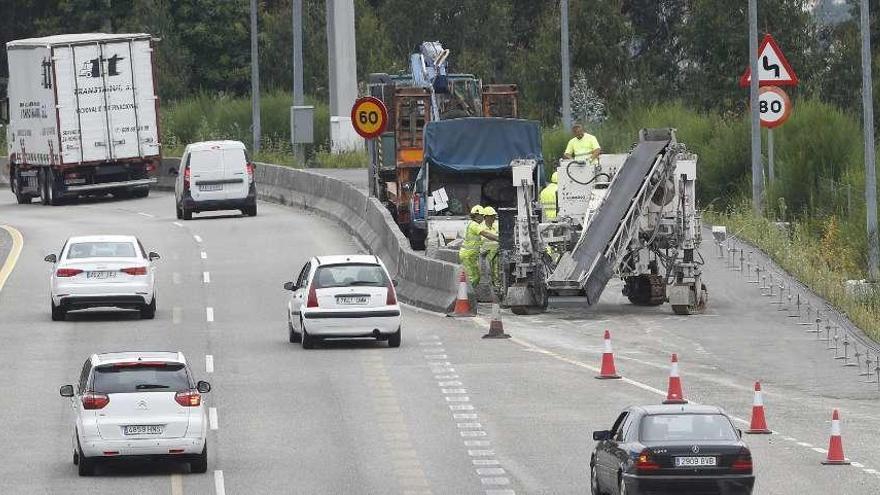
x=608, y=372
x=835, y=446
x=674, y=394
x=462, y=303
x=496, y=327
x=759, y=422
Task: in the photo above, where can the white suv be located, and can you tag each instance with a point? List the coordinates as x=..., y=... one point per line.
x=343, y=297
x=136, y=405
x=215, y=175
x=103, y=271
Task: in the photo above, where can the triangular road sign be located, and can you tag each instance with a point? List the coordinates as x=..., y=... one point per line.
x=773, y=67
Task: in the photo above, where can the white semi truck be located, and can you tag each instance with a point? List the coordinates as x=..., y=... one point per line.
x=82, y=113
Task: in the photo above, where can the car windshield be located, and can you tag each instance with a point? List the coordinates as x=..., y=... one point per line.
x=354, y=274
x=148, y=377
x=686, y=427
x=101, y=250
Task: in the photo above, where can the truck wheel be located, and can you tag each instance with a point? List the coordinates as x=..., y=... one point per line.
x=44, y=192
x=48, y=192
x=22, y=199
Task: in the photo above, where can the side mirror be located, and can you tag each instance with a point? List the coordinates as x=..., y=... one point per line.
x=289, y=286
x=153, y=256
x=394, y=283
x=66, y=391
x=601, y=435
x=51, y=258
x=173, y=171
x=203, y=387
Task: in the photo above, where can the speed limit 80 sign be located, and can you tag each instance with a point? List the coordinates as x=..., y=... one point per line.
x=369, y=117
x=774, y=106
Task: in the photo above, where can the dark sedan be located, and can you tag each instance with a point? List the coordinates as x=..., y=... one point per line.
x=671, y=449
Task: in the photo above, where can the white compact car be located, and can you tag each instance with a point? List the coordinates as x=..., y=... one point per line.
x=138, y=405
x=343, y=297
x=103, y=271
x=215, y=175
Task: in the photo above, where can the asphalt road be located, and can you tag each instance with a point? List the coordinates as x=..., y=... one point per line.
x=446, y=413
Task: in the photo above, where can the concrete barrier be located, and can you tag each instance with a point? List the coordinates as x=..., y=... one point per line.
x=422, y=282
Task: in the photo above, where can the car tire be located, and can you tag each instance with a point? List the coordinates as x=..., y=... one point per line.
x=187, y=213
x=292, y=334
x=394, y=339
x=148, y=312
x=58, y=313
x=308, y=342
x=178, y=212
x=250, y=211
x=84, y=465
x=200, y=464
x=595, y=489
x=621, y=487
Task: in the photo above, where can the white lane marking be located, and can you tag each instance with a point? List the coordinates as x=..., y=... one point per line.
x=429, y=337
x=176, y=484
x=481, y=453
x=445, y=377
x=805, y=444
x=464, y=416
x=219, y=486
x=453, y=390
x=175, y=278
x=821, y=451
x=472, y=433
x=461, y=407
x=438, y=356
x=790, y=439
x=204, y=255
x=146, y=215
x=457, y=398
x=430, y=343
x=178, y=224
x=468, y=425
x=495, y=481
x=206, y=277
x=442, y=370
x=209, y=363
x=212, y=418
x=477, y=443
x=485, y=462
x=500, y=492
x=871, y=471
x=854, y=464
x=454, y=383
x=176, y=315
x=197, y=238
x=209, y=313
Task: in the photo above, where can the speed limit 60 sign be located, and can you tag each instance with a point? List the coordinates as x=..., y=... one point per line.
x=369, y=117
x=774, y=106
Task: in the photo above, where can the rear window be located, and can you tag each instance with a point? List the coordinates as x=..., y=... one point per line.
x=206, y=160
x=686, y=427
x=354, y=274
x=163, y=377
x=101, y=250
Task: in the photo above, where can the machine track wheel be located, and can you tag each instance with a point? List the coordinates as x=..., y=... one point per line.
x=646, y=290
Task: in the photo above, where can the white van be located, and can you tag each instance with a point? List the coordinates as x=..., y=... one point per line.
x=215, y=175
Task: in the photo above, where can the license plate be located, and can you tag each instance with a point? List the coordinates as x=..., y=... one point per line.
x=102, y=274
x=143, y=430
x=353, y=300
x=210, y=187
x=695, y=461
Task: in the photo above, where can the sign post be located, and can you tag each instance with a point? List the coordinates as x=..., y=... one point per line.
x=369, y=117
x=774, y=108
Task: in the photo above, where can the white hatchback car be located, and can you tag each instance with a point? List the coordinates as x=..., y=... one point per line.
x=138, y=405
x=103, y=271
x=343, y=297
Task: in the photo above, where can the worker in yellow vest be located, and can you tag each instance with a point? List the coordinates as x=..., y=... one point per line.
x=583, y=146
x=490, y=247
x=548, y=198
x=469, y=254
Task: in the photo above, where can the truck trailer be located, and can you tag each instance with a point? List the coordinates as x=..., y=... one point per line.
x=83, y=116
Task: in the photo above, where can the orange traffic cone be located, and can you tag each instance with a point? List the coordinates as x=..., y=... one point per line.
x=608, y=372
x=462, y=303
x=674, y=394
x=835, y=446
x=759, y=422
x=496, y=327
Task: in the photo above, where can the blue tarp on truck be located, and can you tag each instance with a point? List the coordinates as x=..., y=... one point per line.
x=481, y=144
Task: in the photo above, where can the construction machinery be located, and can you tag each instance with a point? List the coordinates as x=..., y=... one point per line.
x=631, y=215
x=427, y=93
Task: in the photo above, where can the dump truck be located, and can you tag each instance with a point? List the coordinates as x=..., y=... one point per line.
x=428, y=93
x=83, y=116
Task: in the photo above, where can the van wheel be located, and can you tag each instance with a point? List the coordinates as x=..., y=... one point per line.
x=394, y=339
x=179, y=212
x=250, y=211
x=187, y=214
x=200, y=464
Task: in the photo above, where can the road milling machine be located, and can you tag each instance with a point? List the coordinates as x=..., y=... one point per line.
x=631, y=215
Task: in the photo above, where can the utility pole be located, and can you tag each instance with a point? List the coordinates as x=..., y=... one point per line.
x=868, y=124
x=255, y=78
x=566, y=65
x=757, y=165
x=298, y=97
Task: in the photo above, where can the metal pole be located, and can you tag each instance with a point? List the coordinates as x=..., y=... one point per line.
x=868, y=124
x=298, y=96
x=770, y=153
x=757, y=166
x=255, y=78
x=566, y=65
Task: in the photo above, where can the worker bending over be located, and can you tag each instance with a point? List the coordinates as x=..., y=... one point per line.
x=469, y=254
x=548, y=198
x=490, y=247
x=582, y=146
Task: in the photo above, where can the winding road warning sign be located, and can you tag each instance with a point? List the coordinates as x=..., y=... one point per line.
x=773, y=67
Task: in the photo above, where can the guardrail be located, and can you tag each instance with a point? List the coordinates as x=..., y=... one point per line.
x=422, y=282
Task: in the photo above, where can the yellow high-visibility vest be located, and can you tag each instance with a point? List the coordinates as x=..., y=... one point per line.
x=472, y=238
x=548, y=201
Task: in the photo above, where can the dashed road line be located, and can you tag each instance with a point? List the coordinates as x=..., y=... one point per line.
x=176, y=484
x=204, y=255
x=206, y=277
x=176, y=315
x=219, y=485
x=212, y=418
x=146, y=215
x=209, y=314
x=209, y=363
x=177, y=224
x=197, y=238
